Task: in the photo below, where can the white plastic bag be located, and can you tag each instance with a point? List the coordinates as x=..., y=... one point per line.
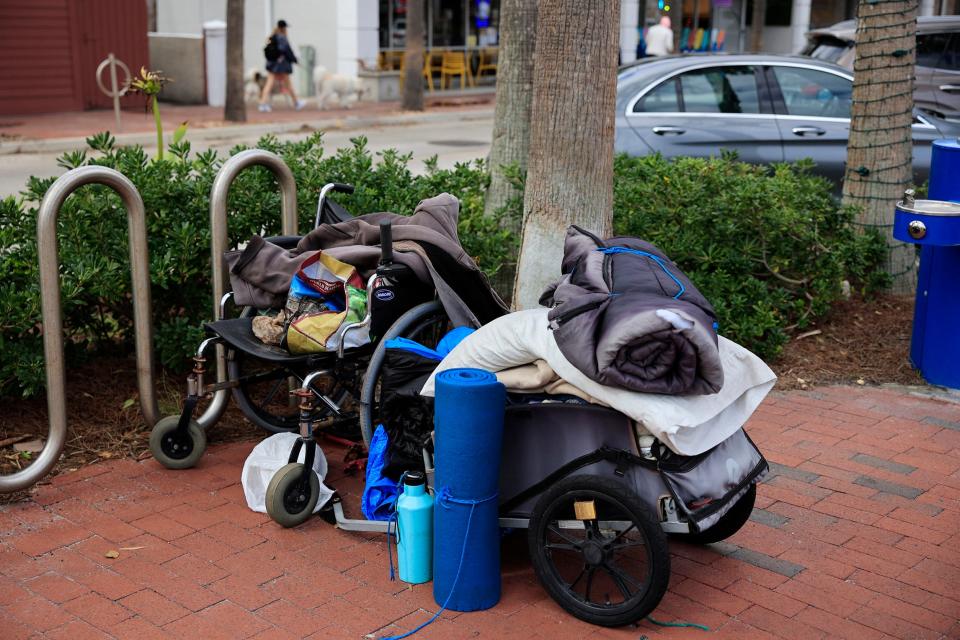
x=266, y=459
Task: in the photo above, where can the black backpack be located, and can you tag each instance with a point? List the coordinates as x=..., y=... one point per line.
x=271, y=52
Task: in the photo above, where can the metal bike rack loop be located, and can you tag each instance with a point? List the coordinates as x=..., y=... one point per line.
x=219, y=241
x=53, y=319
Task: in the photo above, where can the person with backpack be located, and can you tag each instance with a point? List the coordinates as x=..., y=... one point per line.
x=280, y=61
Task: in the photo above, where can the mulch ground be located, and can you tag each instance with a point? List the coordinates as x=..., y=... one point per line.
x=862, y=342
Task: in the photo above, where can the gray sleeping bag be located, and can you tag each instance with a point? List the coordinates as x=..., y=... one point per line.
x=627, y=317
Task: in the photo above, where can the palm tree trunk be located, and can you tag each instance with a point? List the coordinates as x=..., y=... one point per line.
x=235, y=108
x=570, y=167
x=413, y=57
x=880, y=148
x=511, y=120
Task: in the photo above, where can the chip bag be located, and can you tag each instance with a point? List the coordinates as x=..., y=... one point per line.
x=325, y=295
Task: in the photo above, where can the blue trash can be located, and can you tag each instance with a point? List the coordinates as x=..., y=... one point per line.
x=935, y=225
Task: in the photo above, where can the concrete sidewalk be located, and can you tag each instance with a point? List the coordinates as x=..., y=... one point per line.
x=856, y=535
x=58, y=132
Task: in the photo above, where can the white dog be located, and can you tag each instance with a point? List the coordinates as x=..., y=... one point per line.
x=253, y=85
x=346, y=89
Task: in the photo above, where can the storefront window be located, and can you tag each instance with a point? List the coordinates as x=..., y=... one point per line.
x=450, y=23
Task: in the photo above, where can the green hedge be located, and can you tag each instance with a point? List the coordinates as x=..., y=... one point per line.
x=769, y=247
x=769, y=250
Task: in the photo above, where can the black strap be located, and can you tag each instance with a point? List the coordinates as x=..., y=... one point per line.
x=188, y=406
x=619, y=456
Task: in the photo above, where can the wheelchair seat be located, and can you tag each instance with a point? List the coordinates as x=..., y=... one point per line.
x=238, y=334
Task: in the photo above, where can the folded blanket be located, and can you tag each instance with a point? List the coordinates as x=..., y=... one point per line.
x=688, y=425
x=626, y=316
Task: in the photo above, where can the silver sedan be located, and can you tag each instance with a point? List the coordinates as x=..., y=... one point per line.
x=767, y=108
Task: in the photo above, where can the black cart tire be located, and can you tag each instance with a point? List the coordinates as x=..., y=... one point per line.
x=420, y=315
x=177, y=451
x=601, y=554
x=290, y=501
x=727, y=525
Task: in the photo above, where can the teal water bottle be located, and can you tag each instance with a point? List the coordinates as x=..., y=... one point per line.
x=415, y=530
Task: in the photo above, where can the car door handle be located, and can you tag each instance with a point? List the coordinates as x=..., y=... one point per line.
x=668, y=131
x=808, y=131
x=950, y=87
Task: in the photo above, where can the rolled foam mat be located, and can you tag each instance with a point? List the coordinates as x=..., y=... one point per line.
x=468, y=418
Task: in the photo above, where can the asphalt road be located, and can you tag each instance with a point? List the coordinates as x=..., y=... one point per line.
x=450, y=141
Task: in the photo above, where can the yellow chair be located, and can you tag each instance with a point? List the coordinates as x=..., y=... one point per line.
x=488, y=61
x=431, y=65
x=427, y=70
x=453, y=64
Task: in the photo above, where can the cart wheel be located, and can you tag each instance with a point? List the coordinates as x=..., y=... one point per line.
x=609, y=566
x=727, y=525
x=177, y=450
x=290, y=499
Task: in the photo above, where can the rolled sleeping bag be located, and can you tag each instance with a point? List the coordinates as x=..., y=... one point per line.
x=468, y=419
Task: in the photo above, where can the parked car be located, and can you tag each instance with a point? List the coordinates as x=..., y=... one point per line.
x=937, y=84
x=767, y=108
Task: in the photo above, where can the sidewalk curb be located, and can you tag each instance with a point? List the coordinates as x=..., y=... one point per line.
x=343, y=123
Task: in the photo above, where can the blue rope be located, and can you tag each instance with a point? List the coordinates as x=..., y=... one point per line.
x=444, y=497
x=647, y=254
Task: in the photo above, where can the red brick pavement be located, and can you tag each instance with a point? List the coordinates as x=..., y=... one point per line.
x=856, y=535
x=85, y=123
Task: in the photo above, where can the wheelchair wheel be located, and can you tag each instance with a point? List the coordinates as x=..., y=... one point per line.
x=177, y=450
x=727, y=525
x=290, y=498
x=598, y=551
x=263, y=393
x=426, y=323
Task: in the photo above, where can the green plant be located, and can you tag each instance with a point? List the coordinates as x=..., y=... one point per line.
x=769, y=247
x=150, y=84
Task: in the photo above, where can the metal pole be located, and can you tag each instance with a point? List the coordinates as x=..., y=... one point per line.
x=218, y=245
x=114, y=88
x=52, y=313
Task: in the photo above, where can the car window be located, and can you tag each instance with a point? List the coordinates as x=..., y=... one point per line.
x=808, y=92
x=720, y=90
x=951, y=55
x=930, y=47
x=661, y=99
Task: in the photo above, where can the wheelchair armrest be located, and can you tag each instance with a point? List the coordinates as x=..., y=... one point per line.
x=357, y=325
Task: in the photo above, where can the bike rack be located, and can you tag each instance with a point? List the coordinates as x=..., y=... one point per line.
x=218, y=245
x=53, y=318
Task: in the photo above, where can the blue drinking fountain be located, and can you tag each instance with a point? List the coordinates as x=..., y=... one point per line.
x=934, y=224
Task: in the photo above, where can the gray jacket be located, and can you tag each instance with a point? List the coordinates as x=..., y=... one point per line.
x=426, y=242
x=626, y=316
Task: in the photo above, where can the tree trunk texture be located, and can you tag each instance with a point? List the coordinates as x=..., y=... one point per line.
x=880, y=148
x=511, y=120
x=235, y=107
x=757, y=20
x=570, y=164
x=413, y=57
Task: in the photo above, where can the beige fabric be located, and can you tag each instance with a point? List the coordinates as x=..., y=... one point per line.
x=539, y=377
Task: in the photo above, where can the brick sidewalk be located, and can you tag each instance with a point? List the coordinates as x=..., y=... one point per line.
x=80, y=124
x=856, y=535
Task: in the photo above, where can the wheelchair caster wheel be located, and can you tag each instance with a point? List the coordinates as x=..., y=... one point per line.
x=291, y=499
x=598, y=550
x=177, y=450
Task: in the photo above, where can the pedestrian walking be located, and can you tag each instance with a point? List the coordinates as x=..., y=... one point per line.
x=280, y=61
x=660, y=38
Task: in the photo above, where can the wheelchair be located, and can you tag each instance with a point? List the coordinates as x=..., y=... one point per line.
x=329, y=394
